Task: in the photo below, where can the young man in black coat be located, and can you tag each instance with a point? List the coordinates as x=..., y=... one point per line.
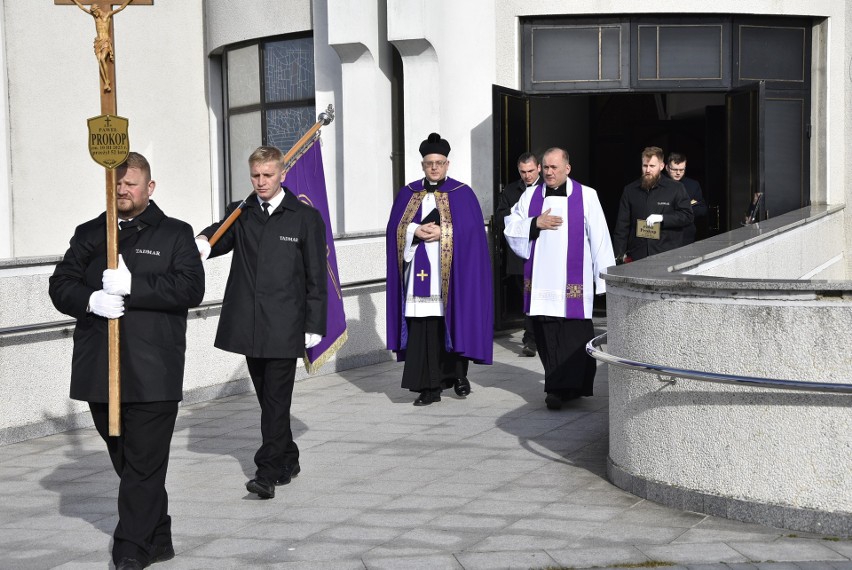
x=651, y=199
x=676, y=167
x=529, y=170
x=275, y=304
x=159, y=277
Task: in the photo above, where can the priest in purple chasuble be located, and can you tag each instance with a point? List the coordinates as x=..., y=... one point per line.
x=559, y=228
x=439, y=295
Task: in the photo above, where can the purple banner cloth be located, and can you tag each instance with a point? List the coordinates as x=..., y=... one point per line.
x=306, y=179
x=574, y=307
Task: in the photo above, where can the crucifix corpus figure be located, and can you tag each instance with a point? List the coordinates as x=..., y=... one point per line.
x=103, y=41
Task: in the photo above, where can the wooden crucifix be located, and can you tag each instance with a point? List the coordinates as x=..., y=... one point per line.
x=102, y=11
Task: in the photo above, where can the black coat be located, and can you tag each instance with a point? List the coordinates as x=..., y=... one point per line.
x=699, y=209
x=276, y=290
x=508, y=198
x=167, y=279
x=668, y=198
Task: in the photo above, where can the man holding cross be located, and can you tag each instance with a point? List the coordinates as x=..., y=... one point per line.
x=439, y=307
x=158, y=278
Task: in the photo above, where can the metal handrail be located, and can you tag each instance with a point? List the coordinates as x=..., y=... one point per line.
x=34, y=327
x=593, y=350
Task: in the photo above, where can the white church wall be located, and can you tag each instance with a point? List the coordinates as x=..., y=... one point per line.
x=448, y=59
x=6, y=235
x=53, y=88
x=356, y=31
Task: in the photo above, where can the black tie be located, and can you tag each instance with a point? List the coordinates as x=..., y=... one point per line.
x=265, y=206
x=124, y=225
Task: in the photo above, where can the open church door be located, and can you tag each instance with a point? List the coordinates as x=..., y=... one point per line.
x=745, y=109
x=511, y=120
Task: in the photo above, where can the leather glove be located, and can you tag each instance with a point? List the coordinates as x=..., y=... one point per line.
x=653, y=219
x=311, y=340
x=117, y=281
x=203, y=248
x=105, y=305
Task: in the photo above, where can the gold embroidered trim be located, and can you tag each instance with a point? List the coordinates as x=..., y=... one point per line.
x=574, y=291
x=323, y=358
x=527, y=285
x=408, y=215
x=442, y=202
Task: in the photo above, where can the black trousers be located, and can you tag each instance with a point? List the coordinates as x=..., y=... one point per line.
x=529, y=334
x=568, y=370
x=273, y=380
x=140, y=456
x=428, y=365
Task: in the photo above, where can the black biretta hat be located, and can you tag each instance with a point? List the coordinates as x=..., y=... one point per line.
x=435, y=145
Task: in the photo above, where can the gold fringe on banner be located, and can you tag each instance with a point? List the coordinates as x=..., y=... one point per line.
x=325, y=356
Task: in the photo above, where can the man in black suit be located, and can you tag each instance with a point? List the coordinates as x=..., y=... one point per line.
x=158, y=278
x=530, y=170
x=274, y=306
x=676, y=168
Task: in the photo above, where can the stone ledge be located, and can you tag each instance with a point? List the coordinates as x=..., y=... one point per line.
x=836, y=524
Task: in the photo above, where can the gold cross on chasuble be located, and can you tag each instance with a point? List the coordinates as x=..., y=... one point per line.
x=422, y=275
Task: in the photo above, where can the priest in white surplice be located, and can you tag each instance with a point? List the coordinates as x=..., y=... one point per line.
x=560, y=229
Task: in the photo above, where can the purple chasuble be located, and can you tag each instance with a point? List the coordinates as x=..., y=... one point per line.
x=574, y=306
x=466, y=289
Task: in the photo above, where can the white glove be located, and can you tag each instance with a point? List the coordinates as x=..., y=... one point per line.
x=117, y=281
x=311, y=340
x=653, y=219
x=105, y=305
x=203, y=248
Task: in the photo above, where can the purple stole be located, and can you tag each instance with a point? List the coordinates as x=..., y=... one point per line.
x=421, y=272
x=574, y=308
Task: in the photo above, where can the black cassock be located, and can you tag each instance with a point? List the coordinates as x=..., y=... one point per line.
x=428, y=366
x=568, y=371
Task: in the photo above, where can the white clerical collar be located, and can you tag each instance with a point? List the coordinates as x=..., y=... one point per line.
x=275, y=201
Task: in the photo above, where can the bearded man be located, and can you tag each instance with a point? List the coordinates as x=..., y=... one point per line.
x=653, y=214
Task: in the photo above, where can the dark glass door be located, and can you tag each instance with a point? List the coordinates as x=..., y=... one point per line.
x=511, y=119
x=746, y=153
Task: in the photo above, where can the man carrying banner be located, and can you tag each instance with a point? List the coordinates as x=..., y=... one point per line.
x=158, y=278
x=439, y=296
x=274, y=306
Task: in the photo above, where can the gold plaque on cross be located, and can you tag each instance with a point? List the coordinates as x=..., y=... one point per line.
x=108, y=141
x=643, y=230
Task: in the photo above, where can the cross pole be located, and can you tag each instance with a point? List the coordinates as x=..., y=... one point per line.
x=102, y=11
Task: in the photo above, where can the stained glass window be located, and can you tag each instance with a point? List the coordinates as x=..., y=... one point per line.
x=285, y=126
x=289, y=70
x=269, y=86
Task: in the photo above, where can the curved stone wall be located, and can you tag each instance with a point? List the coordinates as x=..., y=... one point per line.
x=771, y=456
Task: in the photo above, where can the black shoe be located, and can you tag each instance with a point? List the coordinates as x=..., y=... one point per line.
x=289, y=472
x=129, y=564
x=462, y=387
x=553, y=401
x=162, y=553
x=262, y=488
x=427, y=397
x=528, y=350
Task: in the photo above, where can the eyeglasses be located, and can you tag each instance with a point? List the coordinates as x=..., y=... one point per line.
x=434, y=163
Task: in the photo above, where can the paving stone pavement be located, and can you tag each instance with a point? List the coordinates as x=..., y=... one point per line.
x=492, y=481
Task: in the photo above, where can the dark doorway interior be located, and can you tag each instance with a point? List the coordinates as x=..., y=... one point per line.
x=605, y=134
